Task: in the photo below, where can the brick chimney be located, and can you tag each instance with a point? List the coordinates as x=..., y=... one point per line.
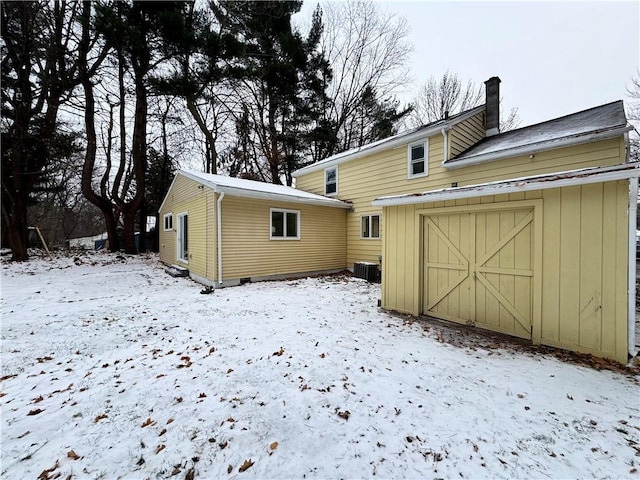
x=492, y=102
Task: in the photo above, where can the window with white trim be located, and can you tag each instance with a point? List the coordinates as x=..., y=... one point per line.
x=285, y=224
x=168, y=221
x=370, y=226
x=417, y=159
x=331, y=181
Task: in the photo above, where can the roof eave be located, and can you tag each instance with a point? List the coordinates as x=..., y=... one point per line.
x=541, y=182
x=400, y=140
x=241, y=192
x=536, y=148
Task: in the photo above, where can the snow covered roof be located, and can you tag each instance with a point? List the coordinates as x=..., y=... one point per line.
x=581, y=176
x=390, y=142
x=596, y=123
x=239, y=187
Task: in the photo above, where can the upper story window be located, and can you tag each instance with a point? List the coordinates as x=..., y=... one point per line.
x=331, y=181
x=168, y=221
x=285, y=224
x=418, y=158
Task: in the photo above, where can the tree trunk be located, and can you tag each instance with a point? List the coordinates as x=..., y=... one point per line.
x=129, y=239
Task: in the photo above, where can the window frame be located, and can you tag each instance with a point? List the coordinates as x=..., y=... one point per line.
x=167, y=216
x=180, y=240
x=284, y=225
x=425, y=145
x=369, y=218
x=326, y=171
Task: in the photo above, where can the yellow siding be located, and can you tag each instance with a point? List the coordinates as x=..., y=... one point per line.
x=465, y=134
x=385, y=173
x=198, y=203
x=582, y=271
x=248, y=251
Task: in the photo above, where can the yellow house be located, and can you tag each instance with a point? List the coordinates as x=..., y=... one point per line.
x=226, y=230
x=529, y=232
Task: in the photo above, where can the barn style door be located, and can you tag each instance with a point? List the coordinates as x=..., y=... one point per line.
x=478, y=269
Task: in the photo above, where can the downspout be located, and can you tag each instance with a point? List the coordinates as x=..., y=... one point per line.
x=219, y=231
x=631, y=297
x=446, y=144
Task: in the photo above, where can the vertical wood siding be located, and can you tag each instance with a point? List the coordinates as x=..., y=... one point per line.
x=362, y=180
x=248, y=251
x=582, y=273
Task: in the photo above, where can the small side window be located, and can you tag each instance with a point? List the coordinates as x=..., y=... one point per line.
x=168, y=221
x=331, y=181
x=417, y=159
x=370, y=226
x=285, y=224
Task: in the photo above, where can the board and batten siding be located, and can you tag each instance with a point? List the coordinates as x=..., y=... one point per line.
x=362, y=180
x=581, y=275
x=248, y=251
x=199, y=204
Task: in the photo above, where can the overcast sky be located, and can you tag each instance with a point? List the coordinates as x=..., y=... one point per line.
x=554, y=58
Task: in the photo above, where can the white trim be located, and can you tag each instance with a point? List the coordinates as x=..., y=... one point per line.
x=293, y=197
x=425, y=159
x=370, y=221
x=389, y=143
x=178, y=239
x=219, y=232
x=534, y=148
x=284, y=224
x=631, y=295
x=164, y=222
x=445, y=140
x=525, y=184
x=333, y=194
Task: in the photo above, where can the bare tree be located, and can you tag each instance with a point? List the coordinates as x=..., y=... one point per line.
x=368, y=51
x=449, y=95
x=39, y=73
x=633, y=113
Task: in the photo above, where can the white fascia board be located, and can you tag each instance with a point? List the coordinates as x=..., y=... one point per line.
x=397, y=141
x=240, y=192
x=167, y=195
x=535, y=148
x=543, y=182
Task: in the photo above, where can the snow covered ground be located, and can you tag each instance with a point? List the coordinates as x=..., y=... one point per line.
x=113, y=369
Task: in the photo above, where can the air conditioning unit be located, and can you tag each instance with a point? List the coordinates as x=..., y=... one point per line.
x=366, y=270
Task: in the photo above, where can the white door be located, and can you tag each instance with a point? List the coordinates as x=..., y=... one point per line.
x=183, y=238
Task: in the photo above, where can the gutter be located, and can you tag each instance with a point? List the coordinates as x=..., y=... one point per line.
x=535, y=148
x=446, y=143
x=397, y=141
x=631, y=295
x=525, y=184
x=219, y=231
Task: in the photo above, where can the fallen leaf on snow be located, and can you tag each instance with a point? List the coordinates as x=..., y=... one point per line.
x=147, y=422
x=344, y=414
x=44, y=475
x=246, y=465
x=273, y=446
x=73, y=455
x=35, y=412
x=160, y=447
x=100, y=417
